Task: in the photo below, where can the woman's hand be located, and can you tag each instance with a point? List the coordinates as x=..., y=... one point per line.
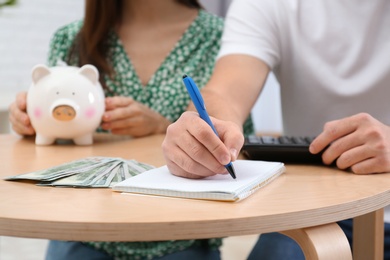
x=18, y=117
x=124, y=116
x=359, y=142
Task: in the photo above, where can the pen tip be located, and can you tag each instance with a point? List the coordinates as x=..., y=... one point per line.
x=231, y=171
x=184, y=76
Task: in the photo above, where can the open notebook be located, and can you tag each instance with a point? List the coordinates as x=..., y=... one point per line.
x=251, y=176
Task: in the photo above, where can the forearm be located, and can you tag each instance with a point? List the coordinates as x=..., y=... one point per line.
x=234, y=87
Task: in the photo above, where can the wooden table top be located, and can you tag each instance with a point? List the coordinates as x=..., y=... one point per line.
x=303, y=196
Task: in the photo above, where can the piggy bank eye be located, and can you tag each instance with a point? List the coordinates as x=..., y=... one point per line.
x=57, y=92
x=73, y=93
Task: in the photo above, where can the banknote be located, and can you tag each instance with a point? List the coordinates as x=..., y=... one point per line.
x=98, y=172
x=63, y=169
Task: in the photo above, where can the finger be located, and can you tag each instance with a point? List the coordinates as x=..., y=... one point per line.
x=120, y=113
x=232, y=137
x=20, y=127
x=199, y=159
x=372, y=165
x=365, y=159
x=354, y=156
x=181, y=147
x=183, y=165
x=122, y=123
x=332, y=131
x=177, y=171
x=118, y=101
x=19, y=115
x=20, y=121
x=341, y=146
x=204, y=135
x=21, y=100
x=121, y=119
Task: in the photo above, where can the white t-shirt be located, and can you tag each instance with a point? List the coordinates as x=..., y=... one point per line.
x=331, y=58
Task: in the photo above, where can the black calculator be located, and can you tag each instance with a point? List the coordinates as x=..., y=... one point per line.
x=287, y=149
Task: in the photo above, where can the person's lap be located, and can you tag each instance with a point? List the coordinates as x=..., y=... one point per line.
x=270, y=246
x=65, y=250
x=275, y=246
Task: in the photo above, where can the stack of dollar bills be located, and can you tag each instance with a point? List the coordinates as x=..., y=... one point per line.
x=98, y=172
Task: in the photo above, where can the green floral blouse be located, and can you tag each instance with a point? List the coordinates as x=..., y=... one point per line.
x=194, y=54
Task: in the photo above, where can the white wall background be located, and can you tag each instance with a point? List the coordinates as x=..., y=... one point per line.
x=25, y=32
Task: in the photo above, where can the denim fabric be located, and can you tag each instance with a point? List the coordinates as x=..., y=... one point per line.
x=275, y=246
x=63, y=250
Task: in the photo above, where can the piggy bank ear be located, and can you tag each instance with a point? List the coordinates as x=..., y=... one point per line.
x=39, y=71
x=90, y=72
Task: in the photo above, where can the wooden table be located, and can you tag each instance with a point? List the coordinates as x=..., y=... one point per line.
x=303, y=203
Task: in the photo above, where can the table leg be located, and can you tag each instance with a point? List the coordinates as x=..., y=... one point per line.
x=325, y=242
x=368, y=235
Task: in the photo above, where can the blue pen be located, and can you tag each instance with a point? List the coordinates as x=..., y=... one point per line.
x=197, y=99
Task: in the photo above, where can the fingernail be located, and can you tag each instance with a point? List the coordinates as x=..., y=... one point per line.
x=233, y=153
x=225, y=159
x=311, y=148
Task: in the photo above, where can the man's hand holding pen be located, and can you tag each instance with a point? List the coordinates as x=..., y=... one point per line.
x=214, y=152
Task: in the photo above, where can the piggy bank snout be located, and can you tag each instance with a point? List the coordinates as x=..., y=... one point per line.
x=64, y=113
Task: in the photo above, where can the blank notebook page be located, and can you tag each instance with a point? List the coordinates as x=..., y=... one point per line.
x=251, y=175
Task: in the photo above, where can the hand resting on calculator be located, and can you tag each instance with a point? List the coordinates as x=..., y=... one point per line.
x=287, y=149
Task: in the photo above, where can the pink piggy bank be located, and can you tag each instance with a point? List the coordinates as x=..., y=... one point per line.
x=65, y=103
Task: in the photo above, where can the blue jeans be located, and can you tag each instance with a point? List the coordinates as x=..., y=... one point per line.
x=275, y=246
x=64, y=250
